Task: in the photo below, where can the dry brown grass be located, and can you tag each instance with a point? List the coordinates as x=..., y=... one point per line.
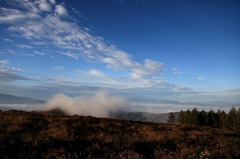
x=46, y=135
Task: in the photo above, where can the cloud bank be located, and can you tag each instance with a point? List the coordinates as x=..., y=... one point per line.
x=98, y=105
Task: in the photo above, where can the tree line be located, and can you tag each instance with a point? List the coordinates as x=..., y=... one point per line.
x=219, y=119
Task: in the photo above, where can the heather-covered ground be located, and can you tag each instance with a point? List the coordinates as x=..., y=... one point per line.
x=47, y=135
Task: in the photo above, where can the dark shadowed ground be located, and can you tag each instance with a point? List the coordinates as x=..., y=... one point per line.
x=55, y=135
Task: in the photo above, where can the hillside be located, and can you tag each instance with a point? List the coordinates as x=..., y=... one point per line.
x=55, y=135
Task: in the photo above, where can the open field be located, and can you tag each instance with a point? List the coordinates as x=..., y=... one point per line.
x=55, y=135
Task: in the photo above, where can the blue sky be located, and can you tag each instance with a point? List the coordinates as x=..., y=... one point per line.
x=143, y=50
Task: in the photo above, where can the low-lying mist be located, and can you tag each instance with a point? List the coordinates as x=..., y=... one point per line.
x=99, y=105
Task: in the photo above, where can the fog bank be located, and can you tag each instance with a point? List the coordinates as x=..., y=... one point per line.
x=99, y=105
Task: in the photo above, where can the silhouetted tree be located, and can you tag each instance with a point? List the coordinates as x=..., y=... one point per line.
x=210, y=118
x=181, y=117
x=216, y=120
x=187, y=117
x=231, y=119
x=202, y=118
x=171, y=118
x=219, y=119
x=222, y=119
x=194, y=117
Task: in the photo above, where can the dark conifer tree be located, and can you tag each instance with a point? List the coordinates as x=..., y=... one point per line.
x=222, y=119
x=216, y=120
x=194, y=117
x=231, y=119
x=181, y=117
x=171, y=118
x=187, y=117
x=210, y=118
x=202, y=118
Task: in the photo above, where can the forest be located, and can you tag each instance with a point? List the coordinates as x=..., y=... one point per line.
x=219, y=119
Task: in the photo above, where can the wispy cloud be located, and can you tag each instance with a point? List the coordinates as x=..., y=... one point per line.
x=4, y=62
x=200, y=78
x=40, y=53
x=9, y=15
x=8, y=40
x=71, y=55
x=149, y=68
x=53, y=26
x=60, y=68
x=63, y=81
x=8, y=73
x=66, y=34
x=176, y=71
x=8, y=76
x=4, y=67
x=24, y=46
x=96, y=72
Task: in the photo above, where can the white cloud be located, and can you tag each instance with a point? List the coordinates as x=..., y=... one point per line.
x=4, y=62
x=96, y=72
x=177, y=72
x=65, y=34
x=149, y=68
x=39, y=43
x=44, y=6
x=8, y=40
x=8, y=15
x=98, y=78
x=200, y=78
x=6, y=68
x=24, y=46
x=60, y=10
x=40, y=53
x=53, y=2
x=16, y=69
x=175, y=69
x=11, y=52
x=71, y=55
x=60, y=68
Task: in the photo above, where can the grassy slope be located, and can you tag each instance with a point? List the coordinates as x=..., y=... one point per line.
x=45, y=135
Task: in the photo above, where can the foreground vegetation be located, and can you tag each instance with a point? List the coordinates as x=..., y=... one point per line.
x=55, y=135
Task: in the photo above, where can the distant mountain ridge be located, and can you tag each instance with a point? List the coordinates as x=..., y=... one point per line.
x=12, y=99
